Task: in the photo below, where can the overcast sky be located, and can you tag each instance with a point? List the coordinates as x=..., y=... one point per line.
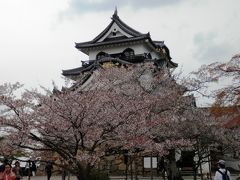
x=37, y=37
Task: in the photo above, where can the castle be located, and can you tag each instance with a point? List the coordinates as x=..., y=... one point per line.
x=119, y=44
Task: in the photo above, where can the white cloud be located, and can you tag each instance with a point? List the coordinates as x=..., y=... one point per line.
x=37, y=37
x=85, y=6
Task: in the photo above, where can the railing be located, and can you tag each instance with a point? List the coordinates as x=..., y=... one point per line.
x=132, y=58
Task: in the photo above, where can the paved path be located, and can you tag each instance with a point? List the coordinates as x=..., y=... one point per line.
x=234, y=177
x=74, y=178
x=45, y=178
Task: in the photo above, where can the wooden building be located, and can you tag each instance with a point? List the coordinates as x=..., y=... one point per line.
x=120, y=45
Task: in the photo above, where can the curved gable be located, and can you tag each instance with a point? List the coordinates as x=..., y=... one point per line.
x=116, y=26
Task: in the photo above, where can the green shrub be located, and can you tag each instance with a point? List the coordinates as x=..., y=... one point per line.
x=97, y=175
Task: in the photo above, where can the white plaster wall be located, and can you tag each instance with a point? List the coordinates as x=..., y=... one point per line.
x=205, y=166
x=119, y=31
x=152, y=52
x=138, y=49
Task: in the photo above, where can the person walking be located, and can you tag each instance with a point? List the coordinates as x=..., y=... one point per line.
x=33, y=168
x=18, y=171
x=64, y=173
x=48, y=169
x=222, y=173
x=8, y=173
x=2, y=168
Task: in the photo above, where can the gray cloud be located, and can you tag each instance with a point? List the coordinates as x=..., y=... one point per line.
x=83, y=6
x=209, y=48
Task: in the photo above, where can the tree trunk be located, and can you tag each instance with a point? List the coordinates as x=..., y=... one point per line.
x=172, y=171
x=136, y=167
x=195, y=173
x=83, y=173
x=83, y=176
x=210, y=169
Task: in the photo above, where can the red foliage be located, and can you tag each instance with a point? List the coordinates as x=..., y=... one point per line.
x=233, y=123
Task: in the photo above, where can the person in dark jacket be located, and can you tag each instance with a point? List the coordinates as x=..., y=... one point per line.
x=33, y=168
x=18, y=171
x=48, y=169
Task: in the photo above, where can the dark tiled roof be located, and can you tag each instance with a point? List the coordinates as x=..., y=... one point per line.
x=112, y=41
x=124, y=26
x=93, y=64
x=120, y=40
x=74, y=71
x=137, y=36
x=115, y=18
x=159, y=43
x=173, y=64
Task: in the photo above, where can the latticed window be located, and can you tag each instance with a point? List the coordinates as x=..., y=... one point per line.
x=129, y=53
x=101, y=55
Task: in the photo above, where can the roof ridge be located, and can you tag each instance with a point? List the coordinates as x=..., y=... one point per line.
x=123, y=25
x=115, y=18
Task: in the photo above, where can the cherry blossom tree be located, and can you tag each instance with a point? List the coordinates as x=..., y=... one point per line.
x=227, y=98
x=229, y=94
x=140, y=109
x=7, y=149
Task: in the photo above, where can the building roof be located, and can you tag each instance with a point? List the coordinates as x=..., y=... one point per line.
x=117, y=40
x=127, y=36
x=133, y=37
x=115, y=18
x=92, y=64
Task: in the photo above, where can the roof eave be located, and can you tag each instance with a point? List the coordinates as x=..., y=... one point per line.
x=84, y=46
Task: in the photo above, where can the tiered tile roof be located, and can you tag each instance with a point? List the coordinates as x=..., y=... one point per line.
x=102, y=41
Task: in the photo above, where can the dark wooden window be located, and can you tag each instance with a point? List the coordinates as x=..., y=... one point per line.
x=100, y=55
x=129, y=53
